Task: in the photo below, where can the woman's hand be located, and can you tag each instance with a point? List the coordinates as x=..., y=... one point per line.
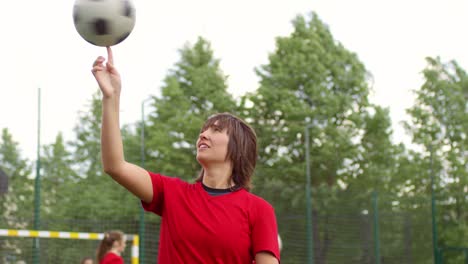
x=107, y=76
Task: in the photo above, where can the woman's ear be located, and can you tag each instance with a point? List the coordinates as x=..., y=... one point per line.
x=116, y=244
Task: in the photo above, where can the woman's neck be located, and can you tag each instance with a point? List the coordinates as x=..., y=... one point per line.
x=115, y=251
x=218, y=177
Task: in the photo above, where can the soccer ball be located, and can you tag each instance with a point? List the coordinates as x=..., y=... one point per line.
x=104, y=22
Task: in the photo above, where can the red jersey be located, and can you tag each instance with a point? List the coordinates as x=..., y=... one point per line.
x=111, y=258
x=199, y=228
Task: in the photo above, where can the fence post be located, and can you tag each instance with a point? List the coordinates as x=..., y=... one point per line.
x=437, y=258
x=375, y=206
x=466, y=255
x=440, y=253
x=37, y=183
x=309, y=226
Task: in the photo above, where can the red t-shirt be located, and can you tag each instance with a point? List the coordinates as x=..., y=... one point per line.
x=199, y=228
x=111, y=258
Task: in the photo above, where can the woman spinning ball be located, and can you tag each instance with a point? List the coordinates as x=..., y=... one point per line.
x=214, y=220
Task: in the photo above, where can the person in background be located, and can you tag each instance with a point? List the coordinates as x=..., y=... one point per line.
x=111, y=247
x=87, y=260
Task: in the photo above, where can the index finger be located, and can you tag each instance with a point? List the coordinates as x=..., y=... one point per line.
x=110, y=57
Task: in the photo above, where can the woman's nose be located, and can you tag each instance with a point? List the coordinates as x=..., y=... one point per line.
x=203, y=135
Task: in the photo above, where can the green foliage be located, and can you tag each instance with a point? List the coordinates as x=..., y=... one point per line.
x=99, y=195
x=439, y=125
x=310, y=79
x=193, y=90
x=313, y=79
x=17, y=203
x=379, y=162
x=87, y=148
x=57, y=178
x=16, y=206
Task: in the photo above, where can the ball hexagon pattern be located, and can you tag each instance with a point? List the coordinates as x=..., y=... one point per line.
x=104, y=22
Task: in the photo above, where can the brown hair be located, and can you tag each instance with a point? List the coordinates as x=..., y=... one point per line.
x=83, y=260
x=107, y=242
x=242, y=147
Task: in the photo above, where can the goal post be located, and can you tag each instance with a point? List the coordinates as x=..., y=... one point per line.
x=16, y=233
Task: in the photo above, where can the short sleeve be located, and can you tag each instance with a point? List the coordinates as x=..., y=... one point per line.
x=112, y=258
x=265, y=230
x=156, y=205
x=116, y=260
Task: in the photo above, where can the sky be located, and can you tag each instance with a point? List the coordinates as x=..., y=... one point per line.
x=40, y=48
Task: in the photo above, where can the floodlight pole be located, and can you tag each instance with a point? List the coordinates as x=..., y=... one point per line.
x=433, y=209
x=142, y=211
x=37, y=182
x=309, y=226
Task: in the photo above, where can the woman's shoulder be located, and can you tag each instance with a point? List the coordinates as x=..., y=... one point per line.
x=111, y=258
x=168, y=179
x=256, y=201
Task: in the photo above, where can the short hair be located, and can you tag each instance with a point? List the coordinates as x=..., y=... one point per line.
x=242, y=147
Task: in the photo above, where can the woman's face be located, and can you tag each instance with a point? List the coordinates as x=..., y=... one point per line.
x=212, y=145
x=121, y=245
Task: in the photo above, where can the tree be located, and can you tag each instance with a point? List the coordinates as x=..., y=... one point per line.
x=87, y=147
x=16, y=206
x=376, y=167
x=192, y=91
x=57, y=178
x=438, y=126
x=312, y=79
x=17, y=203
x=99, y=196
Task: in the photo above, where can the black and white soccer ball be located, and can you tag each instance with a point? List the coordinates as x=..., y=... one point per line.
x=104, y=22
